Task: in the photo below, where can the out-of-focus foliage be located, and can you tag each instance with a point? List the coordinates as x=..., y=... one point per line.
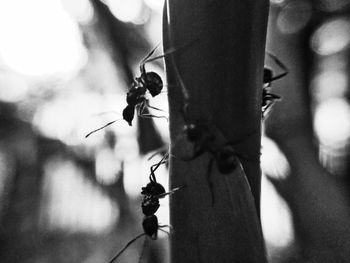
x=311, y=128
x=65, y=69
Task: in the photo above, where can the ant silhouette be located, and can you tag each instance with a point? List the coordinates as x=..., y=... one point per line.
x=147, y=81
x=152, y=192
x=268, y=98
x=136, y=97
x=203, y=137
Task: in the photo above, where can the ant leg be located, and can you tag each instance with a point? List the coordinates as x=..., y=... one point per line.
x=166, y=232
x=278, y=76
x=126, y=246
x=152, y=107
x=159, y=150
x=268, y=105
x=162, y=226
x=170, y=192
x=152, y=176
x=170, y=51
x=271, y=96
x=147, y=115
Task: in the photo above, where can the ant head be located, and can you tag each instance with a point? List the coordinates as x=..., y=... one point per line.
x=150, y=226
x=149, y=205
x=153, y=83
x=268, y=73
x=226, y=160
x=153, y=189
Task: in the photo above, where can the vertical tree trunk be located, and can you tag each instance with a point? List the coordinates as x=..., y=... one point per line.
x=222, y=71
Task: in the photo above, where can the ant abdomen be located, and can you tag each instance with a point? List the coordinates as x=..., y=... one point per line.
x=128, y=113
x=150, y=226
x=154, y=83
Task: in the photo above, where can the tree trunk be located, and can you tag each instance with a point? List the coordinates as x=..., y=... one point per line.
x=220, y=66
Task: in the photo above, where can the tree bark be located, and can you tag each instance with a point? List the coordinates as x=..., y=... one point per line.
x=221, y=67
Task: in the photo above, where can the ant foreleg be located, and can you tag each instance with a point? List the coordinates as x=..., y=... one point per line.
x=170, y=192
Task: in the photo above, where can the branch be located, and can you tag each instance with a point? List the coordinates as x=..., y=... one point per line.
x=222, y=72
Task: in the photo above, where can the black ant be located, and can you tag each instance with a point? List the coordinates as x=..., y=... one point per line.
x=147, y=81
x=268, y=98
x=136, y=96
x=152, y=192
x=204, y=140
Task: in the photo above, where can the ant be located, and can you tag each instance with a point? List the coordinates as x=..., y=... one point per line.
x=136, y=96
x=204, y=140
x=268, y=98
x=147, y=81
x=152, y=192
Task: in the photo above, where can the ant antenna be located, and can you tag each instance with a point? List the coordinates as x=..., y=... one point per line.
x=144, y=60
x=104, y=126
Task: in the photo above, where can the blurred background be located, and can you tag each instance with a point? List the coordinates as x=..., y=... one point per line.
x=65, y=67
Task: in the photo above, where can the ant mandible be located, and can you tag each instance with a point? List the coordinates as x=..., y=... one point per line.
x=152, y=192
x=268, y=98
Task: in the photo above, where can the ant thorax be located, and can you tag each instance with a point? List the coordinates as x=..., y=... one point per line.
x=149, y=205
